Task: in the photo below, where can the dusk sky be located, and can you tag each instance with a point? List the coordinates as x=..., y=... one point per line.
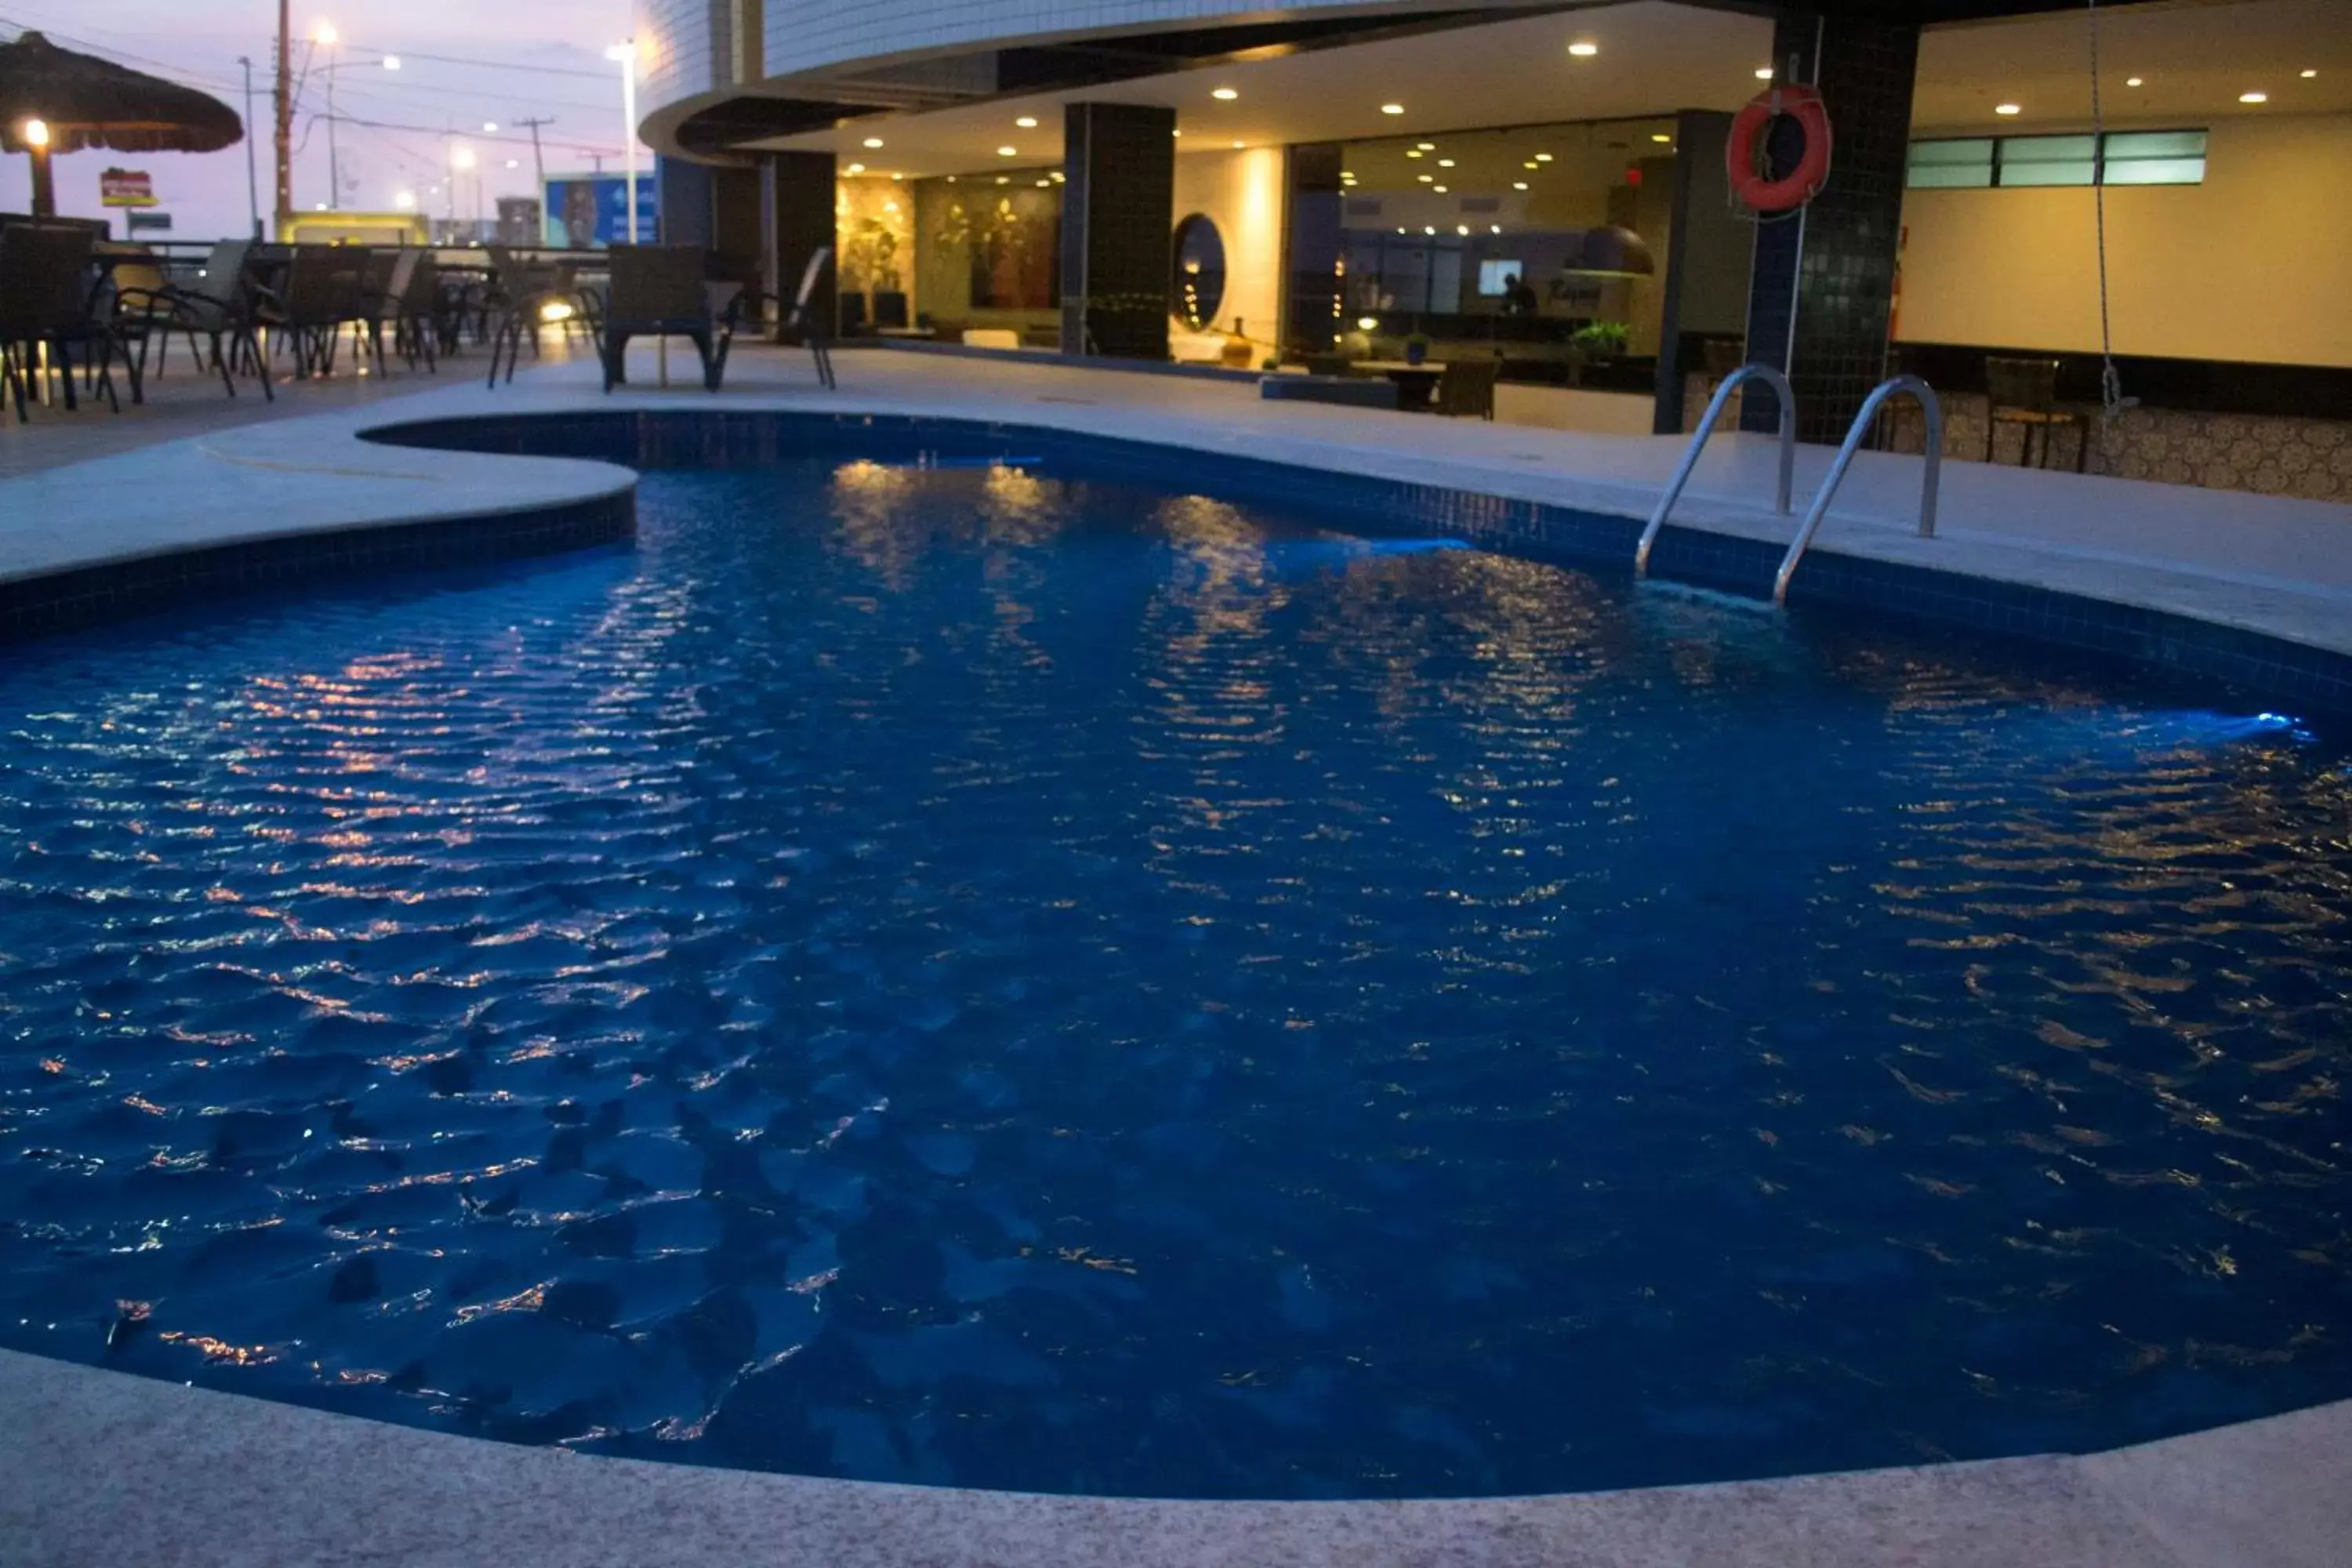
x=534, y=49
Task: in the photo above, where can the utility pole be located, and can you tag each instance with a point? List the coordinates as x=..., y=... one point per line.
x=539, y=170
x=285, y=116
x=252, y=159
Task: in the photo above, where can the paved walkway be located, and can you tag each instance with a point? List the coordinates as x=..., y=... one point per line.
x=2265, y=563
x=101, y=1468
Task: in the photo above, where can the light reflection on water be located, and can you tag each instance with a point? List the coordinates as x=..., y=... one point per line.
x=995, y=981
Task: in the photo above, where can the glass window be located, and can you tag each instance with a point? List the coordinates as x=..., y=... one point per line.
x=2156, y=158
x=1946, y=164
x=2048, y=160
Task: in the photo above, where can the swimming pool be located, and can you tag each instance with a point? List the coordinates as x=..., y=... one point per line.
x=989, y=976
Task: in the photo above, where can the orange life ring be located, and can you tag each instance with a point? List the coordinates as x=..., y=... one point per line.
x=1802, y=104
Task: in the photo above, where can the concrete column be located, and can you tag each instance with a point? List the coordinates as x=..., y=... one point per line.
x=1118, y=192
x=1708, y=254
x=682, y=202
x=1822, y=283
x=796, y=220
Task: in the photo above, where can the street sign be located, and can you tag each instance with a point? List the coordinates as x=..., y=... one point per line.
x=147, y=223
x=125, y=188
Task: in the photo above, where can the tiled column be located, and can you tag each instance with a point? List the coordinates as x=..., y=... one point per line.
x=1823, y=279
x=796, y=219
x=1118, y=190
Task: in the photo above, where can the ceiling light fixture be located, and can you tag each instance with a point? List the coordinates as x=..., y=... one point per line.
x=1370, y=323
x=2253, y=98
x=1425, y=179
x=1027, y=123
x=1008, y=152
x=1429, y=228
x=1426, y=146
x=1494, y=228
x=1583, y=48
x=1445, y=162
x=1660, y=136
x=1519, y=185
x=2134, y=81
x=1225, y=94
x=858, y=168
x=2307, y=75
x=1392, y=108
x=1462, y=228
x=2007, y=109
x=874, y=141
x=1413, y=152
x=1763, y=73
x=1543, y=157
x=1439, y=189
x=1239, y=145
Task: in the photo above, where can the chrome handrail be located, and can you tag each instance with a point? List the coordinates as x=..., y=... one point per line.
x=1929, y=406
x=1780, y=384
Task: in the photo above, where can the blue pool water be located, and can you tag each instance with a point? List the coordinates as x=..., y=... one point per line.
x=979, y=977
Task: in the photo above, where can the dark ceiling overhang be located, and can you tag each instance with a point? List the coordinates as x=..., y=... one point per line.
x=718, y=130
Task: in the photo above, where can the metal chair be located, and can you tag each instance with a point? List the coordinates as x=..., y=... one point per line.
x=47, y=300
x=2024, y=392
x=804, y=319
x=217, y=304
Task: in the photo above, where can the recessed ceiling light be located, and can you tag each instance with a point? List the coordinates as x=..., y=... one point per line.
x=1225, y=94
x=1429, y=228
x=1660, y=136
x=1008, y=152
x=1027, y=123
x=1494, y=228
x=2007, y=109
x=1763, y=73
x=1045, y=184
x=1426, y=146
x=858, y=168
x=1543, y=157
x=1519, y=185
x=1239, y=145
x=1532, y=163
x=2307, y=75
x=1347, y=174
x=1060, y=176
x=2253, y=98
x=2134, y=81
x=1392, y=108
x=897, y=175
x=1439, y=189
x=1400, y=228
x=1413, y=152
x=1445, y=162
x=1583, y=49
x=1427, y=178
x=1462, y=228
x=874, y=141
x=1175, y=133
x=1003, y=179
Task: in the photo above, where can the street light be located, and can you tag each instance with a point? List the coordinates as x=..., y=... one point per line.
x=325, y=34
x=625, y=55
x=405, y=200
x=35, y=135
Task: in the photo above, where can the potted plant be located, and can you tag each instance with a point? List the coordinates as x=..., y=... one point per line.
x=1416, y=348
x=1595, y=342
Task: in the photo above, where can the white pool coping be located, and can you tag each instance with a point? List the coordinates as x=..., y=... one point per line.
x=103, y=1470
x=100, y=1467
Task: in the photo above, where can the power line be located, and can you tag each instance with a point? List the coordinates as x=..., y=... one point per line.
x=604, y=147
x=491, y=65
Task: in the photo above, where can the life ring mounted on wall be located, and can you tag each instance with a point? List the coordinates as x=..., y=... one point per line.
x=1741, y=153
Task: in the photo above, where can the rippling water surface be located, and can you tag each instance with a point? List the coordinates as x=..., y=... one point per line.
x=970, y=977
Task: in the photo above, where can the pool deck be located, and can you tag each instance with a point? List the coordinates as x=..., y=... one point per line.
x=102, y=1468
x=99, y=1468
x=2270, y=564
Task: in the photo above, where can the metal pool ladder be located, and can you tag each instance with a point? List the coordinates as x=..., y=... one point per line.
x=1929, y=406
x=1779, y=385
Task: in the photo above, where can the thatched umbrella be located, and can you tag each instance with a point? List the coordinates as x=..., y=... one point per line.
x=55, y=100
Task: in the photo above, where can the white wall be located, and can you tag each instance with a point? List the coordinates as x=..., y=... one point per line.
x=2254, y=265
x=1242, y=193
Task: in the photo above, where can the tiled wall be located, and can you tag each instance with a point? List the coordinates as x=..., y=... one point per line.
x=2262, y=668
x=1823, y=284
x=2265, y=454
x=809, y=34
x=1119, y=164
x=682, y=48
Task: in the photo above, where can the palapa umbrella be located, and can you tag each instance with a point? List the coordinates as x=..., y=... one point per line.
x=56, y=100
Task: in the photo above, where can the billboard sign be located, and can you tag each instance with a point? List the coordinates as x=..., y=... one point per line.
x=588, y=212
x=147, y=223
x=125, y=188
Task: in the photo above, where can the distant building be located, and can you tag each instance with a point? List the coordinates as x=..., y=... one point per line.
x=518, y=220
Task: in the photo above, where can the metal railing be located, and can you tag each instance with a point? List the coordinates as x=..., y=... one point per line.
x=1779, y=385
x=1933, y=411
